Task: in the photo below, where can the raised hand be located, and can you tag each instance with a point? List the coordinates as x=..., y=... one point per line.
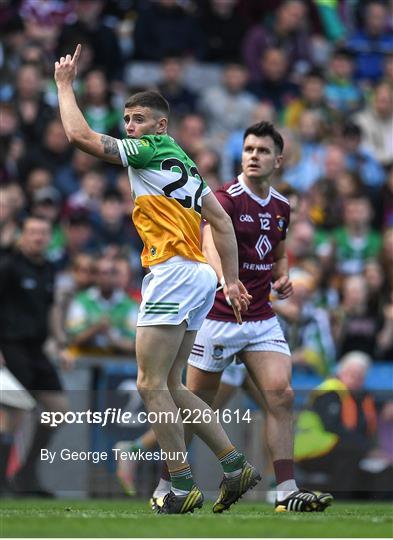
x=66, y=68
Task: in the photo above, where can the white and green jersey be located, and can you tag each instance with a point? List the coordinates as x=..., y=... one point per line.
x=89, y=306
x=167, y=190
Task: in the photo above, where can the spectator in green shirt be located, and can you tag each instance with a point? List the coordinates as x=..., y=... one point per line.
x=351, y=245
x=102, y=319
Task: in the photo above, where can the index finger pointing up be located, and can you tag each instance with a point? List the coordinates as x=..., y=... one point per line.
x=77, y=53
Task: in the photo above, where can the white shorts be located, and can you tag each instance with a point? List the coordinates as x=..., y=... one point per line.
x=217, y=342
x=177, y=290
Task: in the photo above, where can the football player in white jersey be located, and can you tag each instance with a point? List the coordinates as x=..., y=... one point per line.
x=170, y=200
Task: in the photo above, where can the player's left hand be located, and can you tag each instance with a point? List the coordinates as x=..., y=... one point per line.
x=283, y=287
x=66, y=68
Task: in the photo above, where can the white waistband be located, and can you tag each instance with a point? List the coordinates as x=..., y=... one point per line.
x=174, y=260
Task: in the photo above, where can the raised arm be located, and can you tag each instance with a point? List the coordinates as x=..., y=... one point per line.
x=77, y=129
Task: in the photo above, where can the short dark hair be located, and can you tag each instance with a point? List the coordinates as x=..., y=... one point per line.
x=112, y=194
x=78, y=216
x=151, y=99
x=266, y=129
x=234, y=63
x=286, y=2
x=343, y=52
x=350, y=129
x=314, y=73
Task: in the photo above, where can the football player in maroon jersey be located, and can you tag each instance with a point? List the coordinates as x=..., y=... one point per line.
x=260, y=216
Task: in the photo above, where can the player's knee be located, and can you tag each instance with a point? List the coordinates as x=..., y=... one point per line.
x=148, y=382
x=287, y=397
x=283, y=395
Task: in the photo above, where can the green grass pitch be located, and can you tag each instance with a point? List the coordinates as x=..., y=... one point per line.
x=121, y=518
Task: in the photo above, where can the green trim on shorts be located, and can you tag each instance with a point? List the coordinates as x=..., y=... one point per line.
x=162, y=307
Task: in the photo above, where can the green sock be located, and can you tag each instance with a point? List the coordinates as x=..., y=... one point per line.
x=231, y=460
x=182, y=479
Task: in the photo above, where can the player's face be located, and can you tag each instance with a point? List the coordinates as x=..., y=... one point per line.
x=259, y=158
x=139, y=121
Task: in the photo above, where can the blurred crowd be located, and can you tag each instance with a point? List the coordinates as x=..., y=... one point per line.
x=321, y=70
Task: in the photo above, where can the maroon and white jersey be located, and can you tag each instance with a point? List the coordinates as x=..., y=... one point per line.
x=260, y=224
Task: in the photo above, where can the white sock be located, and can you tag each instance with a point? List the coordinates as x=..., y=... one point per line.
x=232, y=474
x=177, y=491
x=285, y=489
x=164, y=487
